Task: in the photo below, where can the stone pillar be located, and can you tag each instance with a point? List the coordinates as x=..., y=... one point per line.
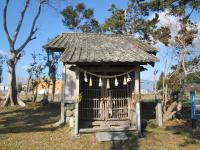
x=137, y=92
x=62, y=114
x=70, y=94
x=77, y=104
x=159, y=114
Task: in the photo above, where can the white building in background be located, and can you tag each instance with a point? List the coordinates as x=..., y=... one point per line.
x=143, y=91
x=3, y=88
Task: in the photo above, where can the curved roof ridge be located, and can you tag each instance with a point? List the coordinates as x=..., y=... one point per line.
x=93, y=33
x=122, y=48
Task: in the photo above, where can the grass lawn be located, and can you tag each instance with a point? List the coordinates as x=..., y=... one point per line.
x=31, y=128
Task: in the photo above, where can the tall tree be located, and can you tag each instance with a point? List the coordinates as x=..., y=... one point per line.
x=15, y=53
x=138, y=19
x=35, y=72
x=80, y=18
x=130, y=20
x=52, y=61
x=178, y=36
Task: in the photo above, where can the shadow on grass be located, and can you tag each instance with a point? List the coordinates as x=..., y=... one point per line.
x=147, y=113
x=29, y=119
x=133, y=140
x=130, y=144
x=184, y=128
x=148, y=110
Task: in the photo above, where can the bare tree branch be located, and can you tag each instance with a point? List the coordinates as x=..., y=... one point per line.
x=189, y=14
x=33, y=28
x=183, y=56
x=5, y=25
x=193, y=68
x=20, y=21
x=197, y=75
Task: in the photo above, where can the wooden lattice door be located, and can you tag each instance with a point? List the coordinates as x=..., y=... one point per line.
x=104, y=104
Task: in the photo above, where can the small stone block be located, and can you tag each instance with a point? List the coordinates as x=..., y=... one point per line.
x=69, y=113
x=111, y=136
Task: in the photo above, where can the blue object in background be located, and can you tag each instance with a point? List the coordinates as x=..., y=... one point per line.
x=193, y=104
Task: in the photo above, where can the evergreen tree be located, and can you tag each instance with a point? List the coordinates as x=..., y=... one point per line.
x=80, y=18
x=178, y=39
x=116, y=23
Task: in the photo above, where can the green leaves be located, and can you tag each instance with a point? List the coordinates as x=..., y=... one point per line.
x=71, y=18
x=135, y=19
x=91, y=26
x=163, y=35
x=79, y=18
x=116, y=23
x=88, y=13
x=80, y=7
x=176, y=8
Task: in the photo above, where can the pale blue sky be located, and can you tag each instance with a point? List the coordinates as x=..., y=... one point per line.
x=50, y=24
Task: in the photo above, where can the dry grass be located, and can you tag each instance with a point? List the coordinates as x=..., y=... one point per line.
x=174, y=135
x=31, y=128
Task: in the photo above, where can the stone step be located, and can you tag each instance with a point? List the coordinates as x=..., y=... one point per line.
x=111, y=136
x=110, y=129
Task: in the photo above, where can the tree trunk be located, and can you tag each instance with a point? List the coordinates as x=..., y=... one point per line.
x=171, y=110
x=28, y=87
x=35, y=93
x=12, y=90
x=11, y=98
x=182, y=74
x=53, y=88
x=48, y=88
x=28, y=84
